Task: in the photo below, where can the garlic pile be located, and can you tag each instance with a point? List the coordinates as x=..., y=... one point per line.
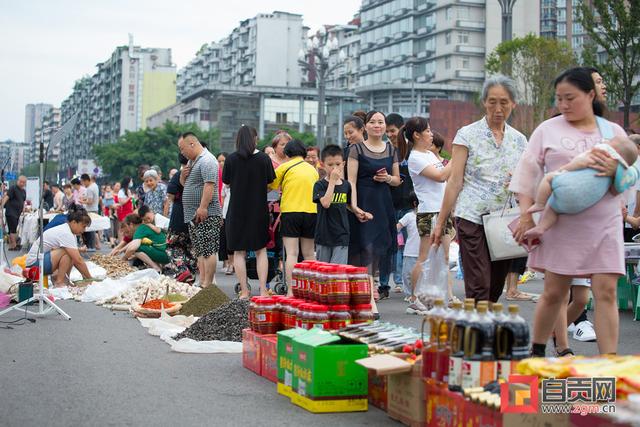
x=157, y=289
x=116, y=267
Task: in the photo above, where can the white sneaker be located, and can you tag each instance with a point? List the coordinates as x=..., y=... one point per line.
x=584, y=332
x=572, y=328
x=416, y=307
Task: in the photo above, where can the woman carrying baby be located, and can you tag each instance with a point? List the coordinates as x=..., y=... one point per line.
x=587, y=244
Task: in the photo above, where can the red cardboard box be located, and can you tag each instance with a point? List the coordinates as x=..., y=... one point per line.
x=406, y=400
x=476, y=415
x=444, y=407
x=378, y=390
x=269, y=357
x=251, y=351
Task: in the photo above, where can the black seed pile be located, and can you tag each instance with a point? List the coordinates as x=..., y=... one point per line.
x=204, y=301
x=224, y=323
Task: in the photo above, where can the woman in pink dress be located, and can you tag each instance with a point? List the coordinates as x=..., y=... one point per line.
x=588, y=244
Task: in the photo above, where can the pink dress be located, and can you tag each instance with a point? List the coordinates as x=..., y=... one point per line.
x=580, y=245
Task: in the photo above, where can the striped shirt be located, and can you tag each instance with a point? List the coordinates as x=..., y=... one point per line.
x=203, y=169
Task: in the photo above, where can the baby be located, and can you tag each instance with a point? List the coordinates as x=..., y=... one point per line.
x=577, y=186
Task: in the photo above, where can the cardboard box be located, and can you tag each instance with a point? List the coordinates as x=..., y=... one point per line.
x=269, y=357
x=324, y=367
x=444, y=407
x=323, y=406
x=476, y=415
x=378, y=390
x=406, y=397
x=251, y=351
x=285, y=359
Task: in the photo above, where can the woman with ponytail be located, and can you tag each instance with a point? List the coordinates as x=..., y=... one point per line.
x=415, y=142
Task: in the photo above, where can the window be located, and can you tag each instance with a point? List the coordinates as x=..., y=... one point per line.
x=463, y=12
x=447, y=13
x=447, y=38
x=562, y=29
x=465, y=63
x=447, y=63
x=463, y=37
x=281, y=117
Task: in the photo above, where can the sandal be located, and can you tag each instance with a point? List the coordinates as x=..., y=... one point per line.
x=519, y=296
x=564, y=353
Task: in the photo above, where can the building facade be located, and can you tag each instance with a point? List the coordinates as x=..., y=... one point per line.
x=33, y=115
x=413, y=51
x=261, y=51
x=559, y=20
x=50, y=125
x=14, y=156
x=133, y=84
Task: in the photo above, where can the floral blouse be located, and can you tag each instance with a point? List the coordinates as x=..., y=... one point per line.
x=155, y=199
x=488, y=169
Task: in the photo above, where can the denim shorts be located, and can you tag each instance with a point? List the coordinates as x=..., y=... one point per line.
x=48, y=268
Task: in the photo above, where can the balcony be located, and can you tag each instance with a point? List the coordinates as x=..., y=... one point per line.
x=476, y=2
x=470, y=25
x=427, y=53
x=400, y=58
x=400, y=35
x=470, y=49
x=401, y=12
x=383, y=62
x=468, y=74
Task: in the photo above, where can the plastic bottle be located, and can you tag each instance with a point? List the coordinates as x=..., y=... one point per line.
x=489, y=312
x=512, y=342
x=296, y=279
x=457, y=347
x=339, y=292
x=361, y=313
x=479, y=363
x=434, y=318
x=339, y=317
x=444, y=341
x=360, y=287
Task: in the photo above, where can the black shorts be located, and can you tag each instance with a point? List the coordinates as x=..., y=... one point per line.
x=12, y=224
x=298, y=224
x=518, y=265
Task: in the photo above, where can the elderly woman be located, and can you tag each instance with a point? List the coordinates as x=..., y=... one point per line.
x=588, y=244
x=278, y=143
x=155, y=196
x=485, y=153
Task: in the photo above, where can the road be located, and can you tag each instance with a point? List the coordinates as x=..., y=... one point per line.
x=102, y=368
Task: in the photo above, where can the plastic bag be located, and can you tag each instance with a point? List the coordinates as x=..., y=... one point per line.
x=187, y=345
x=435, y=277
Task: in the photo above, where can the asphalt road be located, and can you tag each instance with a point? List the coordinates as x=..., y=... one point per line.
x=102, y=368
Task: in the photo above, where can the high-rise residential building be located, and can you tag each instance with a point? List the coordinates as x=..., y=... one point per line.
x=412, y=51
x=34, y=113
x=559, y=19
x=131, y=85
x=50, y=125
x=14, y=156
x=261, y=51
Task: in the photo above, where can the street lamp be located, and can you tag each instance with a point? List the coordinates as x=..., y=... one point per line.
x=316, y=59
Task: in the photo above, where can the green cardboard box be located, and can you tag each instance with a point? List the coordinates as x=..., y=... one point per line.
x=285, y=359
x=324, y=367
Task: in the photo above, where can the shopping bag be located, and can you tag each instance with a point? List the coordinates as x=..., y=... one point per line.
x=435, y=277
x=500, y=239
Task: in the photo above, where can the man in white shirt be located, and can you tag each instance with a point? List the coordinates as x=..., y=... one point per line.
x=90, y=201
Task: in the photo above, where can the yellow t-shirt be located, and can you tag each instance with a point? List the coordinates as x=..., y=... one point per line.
x=297, y=187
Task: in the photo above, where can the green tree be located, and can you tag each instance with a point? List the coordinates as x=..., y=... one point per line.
x=308, y=138
x=50, y=170
x=156, y=146
x=613, y=26
x=533, y=62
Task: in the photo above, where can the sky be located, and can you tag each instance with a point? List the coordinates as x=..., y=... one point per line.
x=47, y=45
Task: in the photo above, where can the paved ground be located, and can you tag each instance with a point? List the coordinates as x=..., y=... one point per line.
x=102, y=368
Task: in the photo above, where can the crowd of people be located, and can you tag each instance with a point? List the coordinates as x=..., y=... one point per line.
x=384, y=201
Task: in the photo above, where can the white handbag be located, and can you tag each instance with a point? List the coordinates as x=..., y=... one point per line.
x=499, y=236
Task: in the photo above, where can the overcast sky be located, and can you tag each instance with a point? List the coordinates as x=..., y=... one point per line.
x=46, y=45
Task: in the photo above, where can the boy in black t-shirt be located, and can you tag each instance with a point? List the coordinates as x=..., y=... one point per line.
x=333, y=196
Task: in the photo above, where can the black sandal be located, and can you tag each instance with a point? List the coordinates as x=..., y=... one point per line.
x=566, y=352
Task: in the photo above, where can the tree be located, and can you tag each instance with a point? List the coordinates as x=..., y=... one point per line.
x=533, y=62
x=156, y=146
x=613, y=26
x=50, y=170
x=308, y=138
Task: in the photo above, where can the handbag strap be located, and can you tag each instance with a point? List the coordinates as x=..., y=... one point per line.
x=605, y=128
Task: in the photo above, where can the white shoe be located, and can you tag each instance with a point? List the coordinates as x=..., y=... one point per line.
x=584, y=332
x=572, y=328
x=416, y=307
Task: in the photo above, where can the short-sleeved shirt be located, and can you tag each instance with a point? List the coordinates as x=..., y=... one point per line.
x=92, y=193
x=488, y=169
x=429, y=192
x=155, y=199
x=412, y=245
x=176, y=222
x=53, y=238
x=297, y=186
x=15, y=204
x=332, y=224
x=204, y=169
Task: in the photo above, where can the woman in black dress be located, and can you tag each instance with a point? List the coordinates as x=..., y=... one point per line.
x=372, y=170
x=248, y=172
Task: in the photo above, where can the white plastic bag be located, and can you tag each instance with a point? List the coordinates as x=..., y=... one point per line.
x=434, y=281
x=187, y=345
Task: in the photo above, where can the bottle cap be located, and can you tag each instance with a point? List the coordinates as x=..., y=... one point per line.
x=497, y=307
x=481, y=309
x=514, y=309
x=471, y=300
x=468, y=306
x=457, y=305
x=439, y=302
